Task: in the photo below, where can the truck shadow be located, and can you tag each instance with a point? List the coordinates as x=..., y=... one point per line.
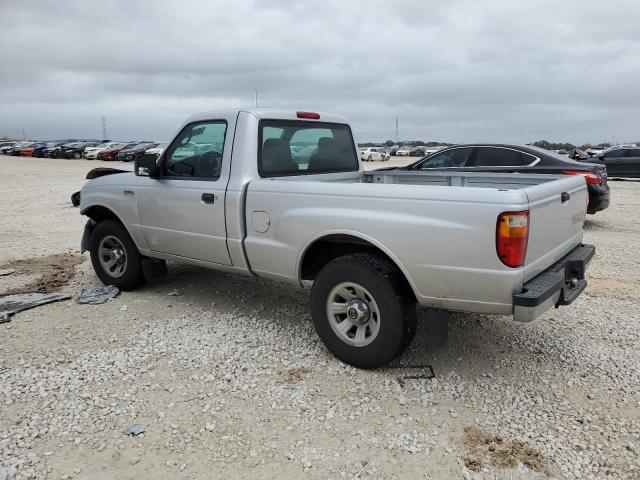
x=477, y=344
x=592, y=225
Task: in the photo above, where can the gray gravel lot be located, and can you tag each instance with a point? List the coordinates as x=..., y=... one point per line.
x=230, y=381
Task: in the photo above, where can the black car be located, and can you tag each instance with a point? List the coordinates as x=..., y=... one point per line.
x=60, y=152
x=522, y=159
x=418, y=152
x=75, y=150
x=52, y=150
x=44, y=150
x=620, y=161
x=131, y=153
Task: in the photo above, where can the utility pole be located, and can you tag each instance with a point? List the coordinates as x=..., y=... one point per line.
x=104, y=128
x=397, y=136
x=256, y=92
x=24, y=137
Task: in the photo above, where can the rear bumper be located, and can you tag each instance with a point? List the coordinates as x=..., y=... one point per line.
x=598, y=198
x=558, y=285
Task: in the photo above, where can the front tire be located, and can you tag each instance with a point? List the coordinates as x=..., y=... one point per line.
x=363, y=310
x=114, y=256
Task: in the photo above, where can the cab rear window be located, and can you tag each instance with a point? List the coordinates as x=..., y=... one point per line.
x=290, y=147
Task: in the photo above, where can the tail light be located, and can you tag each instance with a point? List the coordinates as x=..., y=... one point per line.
x=590, y=177
x=512, y=236
x=311, y=115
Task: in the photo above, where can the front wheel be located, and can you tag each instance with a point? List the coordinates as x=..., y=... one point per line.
x=77, y=155
x=363, y=310
x=115, y=258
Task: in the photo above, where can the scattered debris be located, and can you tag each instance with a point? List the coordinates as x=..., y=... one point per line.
x=135, y=430
x=16, y=302
x=123, y=308
x=98, y=295
x=6, y=271
x=427, y=373
x=54, y=272
x=297, y=374
x=499, y=453
x=473, y=463
x=174, y=293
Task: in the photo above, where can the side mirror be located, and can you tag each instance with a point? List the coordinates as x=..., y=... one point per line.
x=146, y=166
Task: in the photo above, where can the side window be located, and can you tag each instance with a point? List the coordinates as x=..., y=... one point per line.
x=197, y=151
x=456, y=157
x=614, y=154
x=633, y=152
x=498, y=157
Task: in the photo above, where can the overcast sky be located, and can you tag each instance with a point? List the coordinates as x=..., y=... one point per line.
x=458, y=71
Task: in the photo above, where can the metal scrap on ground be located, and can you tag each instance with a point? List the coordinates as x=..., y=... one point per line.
x=98, y=295
x=426, y=373
x=16, y=302
x=134, y=430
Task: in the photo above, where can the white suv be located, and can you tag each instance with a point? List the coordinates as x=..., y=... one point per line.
x=374, y=154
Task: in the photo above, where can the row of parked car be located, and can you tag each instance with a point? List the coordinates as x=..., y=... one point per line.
x=618, y=161
x=91, y=150
x=382, y=154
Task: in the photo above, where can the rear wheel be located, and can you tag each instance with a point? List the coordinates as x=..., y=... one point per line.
x=114, y=256
x=77, y=155
x=363, y=310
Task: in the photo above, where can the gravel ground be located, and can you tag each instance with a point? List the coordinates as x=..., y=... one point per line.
x=230, y=381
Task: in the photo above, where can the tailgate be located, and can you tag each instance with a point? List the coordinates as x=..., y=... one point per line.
x=557, y=210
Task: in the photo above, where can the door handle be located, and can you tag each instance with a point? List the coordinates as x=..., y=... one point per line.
x=564, y=197
x=208, y=198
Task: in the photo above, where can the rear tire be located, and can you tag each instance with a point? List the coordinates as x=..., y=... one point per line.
x=77, y=155
x=115, y=258
x=363, y=310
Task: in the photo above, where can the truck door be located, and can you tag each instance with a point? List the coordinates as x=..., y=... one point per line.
x=182, y=212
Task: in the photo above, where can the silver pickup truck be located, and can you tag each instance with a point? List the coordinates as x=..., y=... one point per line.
x=283, y=195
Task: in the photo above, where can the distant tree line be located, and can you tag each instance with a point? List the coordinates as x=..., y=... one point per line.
x=567, y=146
x=406, y=143
x=540, y=143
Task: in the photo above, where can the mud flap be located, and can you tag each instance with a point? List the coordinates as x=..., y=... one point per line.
x=86, y=235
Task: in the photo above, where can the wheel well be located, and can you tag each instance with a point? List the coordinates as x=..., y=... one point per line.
x=99, y=214
x=328, y=248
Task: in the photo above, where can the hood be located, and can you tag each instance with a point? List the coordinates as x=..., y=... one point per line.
x=102, y=171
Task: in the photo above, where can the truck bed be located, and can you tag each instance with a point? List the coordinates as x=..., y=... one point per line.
x=440, y=228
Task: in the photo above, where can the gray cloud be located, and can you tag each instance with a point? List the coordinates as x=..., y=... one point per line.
x=457, y=71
